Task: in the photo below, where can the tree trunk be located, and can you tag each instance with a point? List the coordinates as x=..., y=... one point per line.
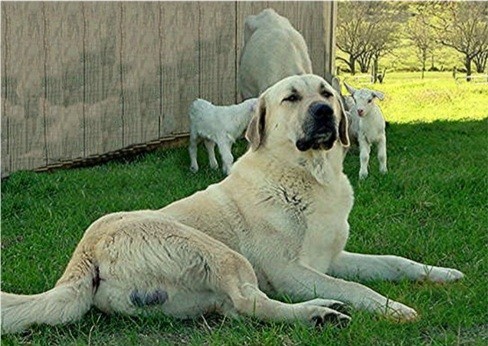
x=352, y=64
x=375, y=69
x=480, y=61
x=424, y=60
x=467, y=64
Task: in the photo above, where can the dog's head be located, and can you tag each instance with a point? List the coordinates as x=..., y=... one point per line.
x=304, y=111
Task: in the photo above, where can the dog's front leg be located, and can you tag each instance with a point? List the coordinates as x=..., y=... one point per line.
x=300, y=281
x=385, y=267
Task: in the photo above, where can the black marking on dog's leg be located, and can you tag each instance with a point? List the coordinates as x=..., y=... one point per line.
x=344, y=309
x=96, y=279
x=141, y=299
x=336, y=320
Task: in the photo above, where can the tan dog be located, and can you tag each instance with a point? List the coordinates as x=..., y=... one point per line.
x=273, y=49
x=276, y=224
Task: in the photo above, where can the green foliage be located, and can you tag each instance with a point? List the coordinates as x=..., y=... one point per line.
x=430, y=207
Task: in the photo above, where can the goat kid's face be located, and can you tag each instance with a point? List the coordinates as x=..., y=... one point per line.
x=364, y=99
x=304, y=111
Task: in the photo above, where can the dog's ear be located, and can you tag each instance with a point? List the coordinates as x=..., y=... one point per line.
x=379, y=95
x=350, y=88
x=255, y=129
x=343, y=125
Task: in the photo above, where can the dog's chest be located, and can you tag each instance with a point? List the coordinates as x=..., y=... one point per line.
x=327, y=227
x=313, y=218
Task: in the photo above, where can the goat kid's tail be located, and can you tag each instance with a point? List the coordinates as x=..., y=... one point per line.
x=70, y=299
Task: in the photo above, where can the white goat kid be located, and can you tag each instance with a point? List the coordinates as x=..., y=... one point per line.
x=220, y=125
x=367, y=120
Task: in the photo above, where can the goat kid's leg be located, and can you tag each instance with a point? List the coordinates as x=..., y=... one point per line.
x=226, y=154
x=364, y=150
x=192, y=149
x=386, y=267
x=210, y=145
x=382, y=155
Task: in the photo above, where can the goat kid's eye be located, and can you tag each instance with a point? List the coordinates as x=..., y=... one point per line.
x=292, y=98
x=369, y=101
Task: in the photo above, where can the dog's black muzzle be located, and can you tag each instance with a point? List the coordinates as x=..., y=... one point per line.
x=319, y=128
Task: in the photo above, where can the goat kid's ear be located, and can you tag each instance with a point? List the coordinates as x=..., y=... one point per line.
x=343, y=126
x=350, y=88
x=336, y=84
x=379, y=95
x=255, y=129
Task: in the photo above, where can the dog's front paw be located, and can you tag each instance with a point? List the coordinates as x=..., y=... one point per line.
x=400, y=312
x=327, y=316
x=439, y=274
x=331, y=304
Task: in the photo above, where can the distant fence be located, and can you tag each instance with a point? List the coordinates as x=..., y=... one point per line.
x=474, y=79
x=83, y=79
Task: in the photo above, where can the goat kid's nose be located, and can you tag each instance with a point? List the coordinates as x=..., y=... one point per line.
x=320, y=110
x=360, y=111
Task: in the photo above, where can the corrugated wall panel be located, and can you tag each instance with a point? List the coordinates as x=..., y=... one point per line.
x=82, y=79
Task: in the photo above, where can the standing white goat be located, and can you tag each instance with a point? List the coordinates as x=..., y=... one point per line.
x=367, y=127
x=220, y=125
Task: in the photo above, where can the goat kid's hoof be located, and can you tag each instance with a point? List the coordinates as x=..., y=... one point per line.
x=193, y=169
x=335, y=319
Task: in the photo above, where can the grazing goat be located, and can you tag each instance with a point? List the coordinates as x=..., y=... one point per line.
x=273, y=49
x=367, y=126
x=220, y=125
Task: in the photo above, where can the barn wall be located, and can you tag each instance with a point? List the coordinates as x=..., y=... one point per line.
x=81, y=79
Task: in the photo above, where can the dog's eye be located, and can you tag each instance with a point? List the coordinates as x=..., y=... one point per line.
x=292, y=98
x=326, y=94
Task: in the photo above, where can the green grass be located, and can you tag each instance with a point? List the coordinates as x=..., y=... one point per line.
x=436, y=97
x=431, y=207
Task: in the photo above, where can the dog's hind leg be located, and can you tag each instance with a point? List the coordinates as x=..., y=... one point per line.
x=239, y=282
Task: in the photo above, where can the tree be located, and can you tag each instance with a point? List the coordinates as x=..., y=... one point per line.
x=352, y=32
x=421, y=34
x=480, y=60
x=367, y=30
x=463, y=26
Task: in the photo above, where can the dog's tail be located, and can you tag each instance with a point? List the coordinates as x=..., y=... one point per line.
x=70, y=299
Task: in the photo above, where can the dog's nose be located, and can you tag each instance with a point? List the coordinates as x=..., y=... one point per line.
x=320, y=111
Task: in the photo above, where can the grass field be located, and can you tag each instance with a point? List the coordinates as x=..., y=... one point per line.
x=431, y=207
